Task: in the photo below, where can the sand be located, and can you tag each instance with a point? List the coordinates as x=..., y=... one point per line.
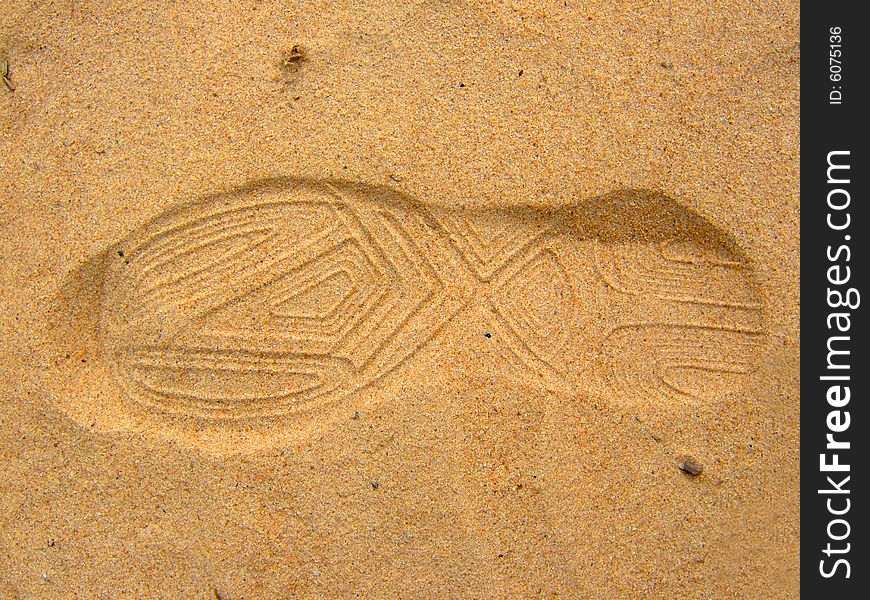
x=430, y=300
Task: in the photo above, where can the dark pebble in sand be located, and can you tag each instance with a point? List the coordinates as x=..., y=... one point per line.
x=691, y=467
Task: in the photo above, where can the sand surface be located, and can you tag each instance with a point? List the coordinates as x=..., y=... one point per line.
x=432, y=300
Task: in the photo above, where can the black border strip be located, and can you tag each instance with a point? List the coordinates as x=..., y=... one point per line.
x=834, y=260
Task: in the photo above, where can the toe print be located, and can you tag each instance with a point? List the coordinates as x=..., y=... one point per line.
x=295, y=297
